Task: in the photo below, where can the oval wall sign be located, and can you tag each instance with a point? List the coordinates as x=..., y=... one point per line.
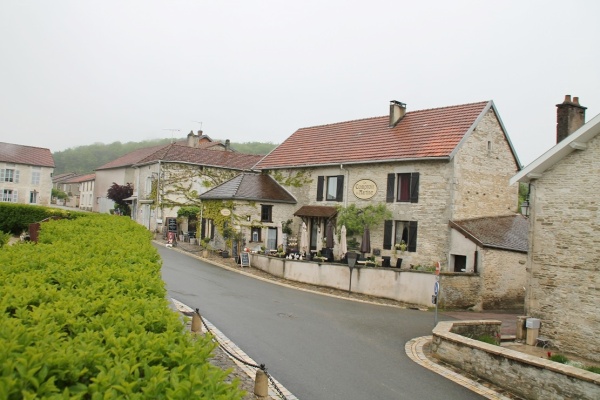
x=364, y=189
x=226, y=212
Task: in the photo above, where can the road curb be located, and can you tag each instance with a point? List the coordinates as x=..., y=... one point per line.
x=235, y=350
x=414, y=350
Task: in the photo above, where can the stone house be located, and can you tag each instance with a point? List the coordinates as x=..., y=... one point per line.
x=59, y=182
x=253, y=205
x=494, y=248
x=563, y=285
x=80, y=189
x=429, y=167
x=25, y=174
x=73, y=185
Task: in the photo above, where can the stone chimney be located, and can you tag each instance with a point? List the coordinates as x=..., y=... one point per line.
x=191, y=141
x=397, y=112
x=227, y=145
x=570, y=116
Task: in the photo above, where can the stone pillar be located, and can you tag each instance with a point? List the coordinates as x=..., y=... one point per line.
x=521, y=332
x=261, y=384
x=196, y=322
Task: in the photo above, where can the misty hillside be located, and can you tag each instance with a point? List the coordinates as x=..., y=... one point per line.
x=85, y=159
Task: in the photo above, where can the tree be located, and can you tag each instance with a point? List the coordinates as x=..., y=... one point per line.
x=356, y=219
x=59, y=194
x=118, y=193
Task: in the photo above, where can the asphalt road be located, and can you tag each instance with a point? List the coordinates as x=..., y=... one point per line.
x=317, y=346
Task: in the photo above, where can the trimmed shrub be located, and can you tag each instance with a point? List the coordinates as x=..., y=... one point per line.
x=15, y=218
x=84, y=315
x=4, y=239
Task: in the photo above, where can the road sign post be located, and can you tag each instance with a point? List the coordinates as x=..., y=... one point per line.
x=436, y=291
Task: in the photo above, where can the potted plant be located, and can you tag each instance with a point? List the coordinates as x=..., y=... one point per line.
x=370, y=262
x=205, y=246
x=400, y=246
x=319, y=257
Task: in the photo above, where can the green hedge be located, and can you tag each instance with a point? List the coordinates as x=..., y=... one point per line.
x=84, y=315
x=15, y=218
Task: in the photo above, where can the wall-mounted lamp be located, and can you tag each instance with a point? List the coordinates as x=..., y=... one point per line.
x=525, y=208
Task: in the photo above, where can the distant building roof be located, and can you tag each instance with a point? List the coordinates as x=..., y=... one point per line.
x=28, y=155
x=184, y=154
x=131, y=158
x=250, y=187
x=431, y=133
x=507, y=232
x=80, y=178
x=63, y=177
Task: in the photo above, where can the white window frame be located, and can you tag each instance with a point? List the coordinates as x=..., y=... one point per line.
x=9, y=196
x=36, y=173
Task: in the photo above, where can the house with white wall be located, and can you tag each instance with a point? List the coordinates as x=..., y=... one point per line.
x=118, y=171
x=175, y=175
x=25, y=174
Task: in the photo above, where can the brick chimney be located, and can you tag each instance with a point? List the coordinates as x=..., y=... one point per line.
x=397, y=112
x=570, y=116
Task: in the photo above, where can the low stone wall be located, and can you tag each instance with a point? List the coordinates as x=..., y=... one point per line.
x=460, y=290
x=413, y=287
x=527, y=376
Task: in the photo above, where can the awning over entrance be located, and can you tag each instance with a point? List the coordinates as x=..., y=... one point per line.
x=316, y=211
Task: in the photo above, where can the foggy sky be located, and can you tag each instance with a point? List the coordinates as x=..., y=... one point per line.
x=78, y=72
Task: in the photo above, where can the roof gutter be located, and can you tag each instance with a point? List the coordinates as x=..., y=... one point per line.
x=246, y=199
x=190, y=163
x=345, y=163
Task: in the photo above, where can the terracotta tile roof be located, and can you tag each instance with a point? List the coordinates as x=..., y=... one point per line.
x=420, y=134
x=507, y=232
x=132, y=158
x=80, y=178
x=251, y=187
x=193, y=155
x=316, y=211
x=18, y=154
